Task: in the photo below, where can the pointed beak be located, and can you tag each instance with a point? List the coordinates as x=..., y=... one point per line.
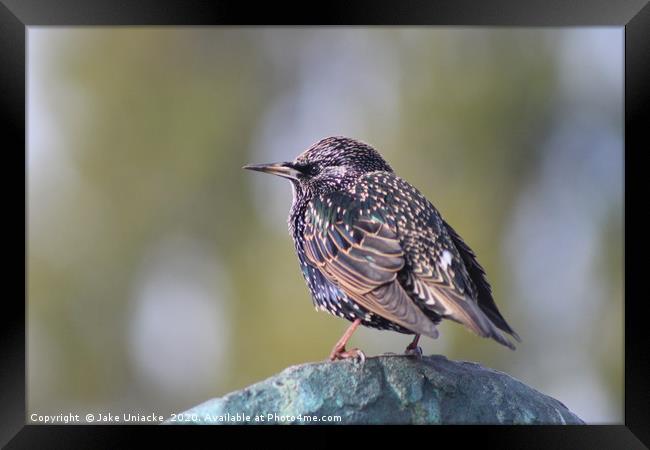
x=282, y=169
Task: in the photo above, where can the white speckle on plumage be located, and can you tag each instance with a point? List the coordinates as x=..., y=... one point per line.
x=446, y=259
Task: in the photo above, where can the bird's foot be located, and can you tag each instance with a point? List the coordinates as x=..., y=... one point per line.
x=415, y=351
x=342, y=353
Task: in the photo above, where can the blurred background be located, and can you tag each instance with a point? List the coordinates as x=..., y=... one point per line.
x=160, y=274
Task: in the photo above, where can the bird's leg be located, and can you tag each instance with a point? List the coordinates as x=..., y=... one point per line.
x=339, y=352
x=413, y=348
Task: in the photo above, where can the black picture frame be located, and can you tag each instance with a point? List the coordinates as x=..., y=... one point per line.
x=633, y=15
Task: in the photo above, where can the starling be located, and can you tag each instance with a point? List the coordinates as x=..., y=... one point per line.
x=373, y=250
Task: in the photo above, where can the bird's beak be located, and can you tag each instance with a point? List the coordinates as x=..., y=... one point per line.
x=283, y=169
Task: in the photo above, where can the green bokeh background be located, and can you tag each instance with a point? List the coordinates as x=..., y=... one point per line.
x=160, y=274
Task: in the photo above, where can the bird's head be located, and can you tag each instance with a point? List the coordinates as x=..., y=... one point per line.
x=331, y=164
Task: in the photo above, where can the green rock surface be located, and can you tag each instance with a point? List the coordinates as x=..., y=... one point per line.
x=387, y=389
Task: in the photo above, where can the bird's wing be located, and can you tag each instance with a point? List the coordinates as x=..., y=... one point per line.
x=443, y=287
x=436, y=274
x=361, y=254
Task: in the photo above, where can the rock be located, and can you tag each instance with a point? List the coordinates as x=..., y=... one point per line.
x=388, y=389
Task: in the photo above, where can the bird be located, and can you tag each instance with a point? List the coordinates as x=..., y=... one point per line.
x=374, y=251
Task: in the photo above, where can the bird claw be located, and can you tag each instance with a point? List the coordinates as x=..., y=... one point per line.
x=355, y=354
x=360, y=357
x=414, y=351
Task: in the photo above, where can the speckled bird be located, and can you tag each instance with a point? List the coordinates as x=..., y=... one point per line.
x=373, y=250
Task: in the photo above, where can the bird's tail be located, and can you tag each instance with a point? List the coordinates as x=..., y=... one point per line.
x=467, y=312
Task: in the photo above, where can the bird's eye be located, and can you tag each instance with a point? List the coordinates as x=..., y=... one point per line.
x=309, y=169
